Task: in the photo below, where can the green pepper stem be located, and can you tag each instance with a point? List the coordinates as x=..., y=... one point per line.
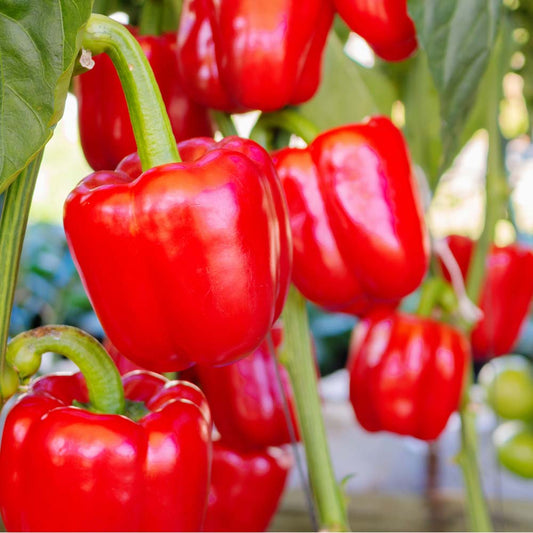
x=104, y=384
x=151, y=126
x=477, y=509
x=436, y=292
x=171, y=15
x=298, y=359
x=496, y=191
x=224, y=123
x=151, y=17
x=288, y=119
x=13, y=224
x=429, y=296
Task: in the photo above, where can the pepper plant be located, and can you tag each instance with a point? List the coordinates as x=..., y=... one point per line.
x=190, y=252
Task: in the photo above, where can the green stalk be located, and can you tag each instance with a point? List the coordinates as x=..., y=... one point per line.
x=436, y=292
x=101, y=6
x=429, y=296
x=13, y=224
x=104, y=384
x=171, y=15
x=298, y=359
x=496, y=188
x=477, y=509
x=151, y=126
x=224, y=123
x=497, y=192
x=151, y=20
x=496, y=197
x=289, y=120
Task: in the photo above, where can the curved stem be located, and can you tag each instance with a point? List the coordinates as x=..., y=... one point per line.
x=436, y=292
x=104, y=384
x=288, y=119
x=298, y=359
x=155, y=141
x=13, y=224
x=429, y=296
x=224, y=123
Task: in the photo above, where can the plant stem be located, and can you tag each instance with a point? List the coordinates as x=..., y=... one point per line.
x=13, y=224
x=288, y=119
x=151, y=126
x=429, y=296
x=298, y=359
x=151, y=18
x=101, y=6
x=171, y=15
x=436, y=292
x=478, y=514
x=224, y=123
x=496, y=191
x=104, y=384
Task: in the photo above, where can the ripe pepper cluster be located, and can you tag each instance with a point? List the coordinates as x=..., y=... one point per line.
x=188, y=264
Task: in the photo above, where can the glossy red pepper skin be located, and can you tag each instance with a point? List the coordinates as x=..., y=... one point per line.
x=193, y=149
x=319, y=271
x=384, y=24
x=355, y=216
x=185, y=264
x=373, y=205
x=246, y=487
x=246, y=402
x=406, y=373
x=105, y=129
x=506, y=294
x=123, y=364
x=68, y=469
x=237, y=55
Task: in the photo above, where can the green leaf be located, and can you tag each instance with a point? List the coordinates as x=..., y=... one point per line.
x=458, y=36
x=348, y=92
x=492, y=81
x=422, y=122
x=40, y=42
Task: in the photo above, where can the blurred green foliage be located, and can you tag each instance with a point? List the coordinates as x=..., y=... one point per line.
x=49, y=290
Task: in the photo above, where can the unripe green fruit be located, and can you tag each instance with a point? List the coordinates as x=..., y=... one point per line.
x=508, y=383
x=514, y=446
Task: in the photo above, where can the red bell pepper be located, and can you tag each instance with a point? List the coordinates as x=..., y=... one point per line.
x=505, y=298
x=406, y=373
x=68, y=468
x=237, y=55
x=319, y=271
x=106, y=133
x=355, y=217
x=246, y=487
x=193, y=149
x=384, y=24
x=246, y=402
x=188, y=263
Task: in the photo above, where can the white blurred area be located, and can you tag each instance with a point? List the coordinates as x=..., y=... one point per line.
x=62, y=168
